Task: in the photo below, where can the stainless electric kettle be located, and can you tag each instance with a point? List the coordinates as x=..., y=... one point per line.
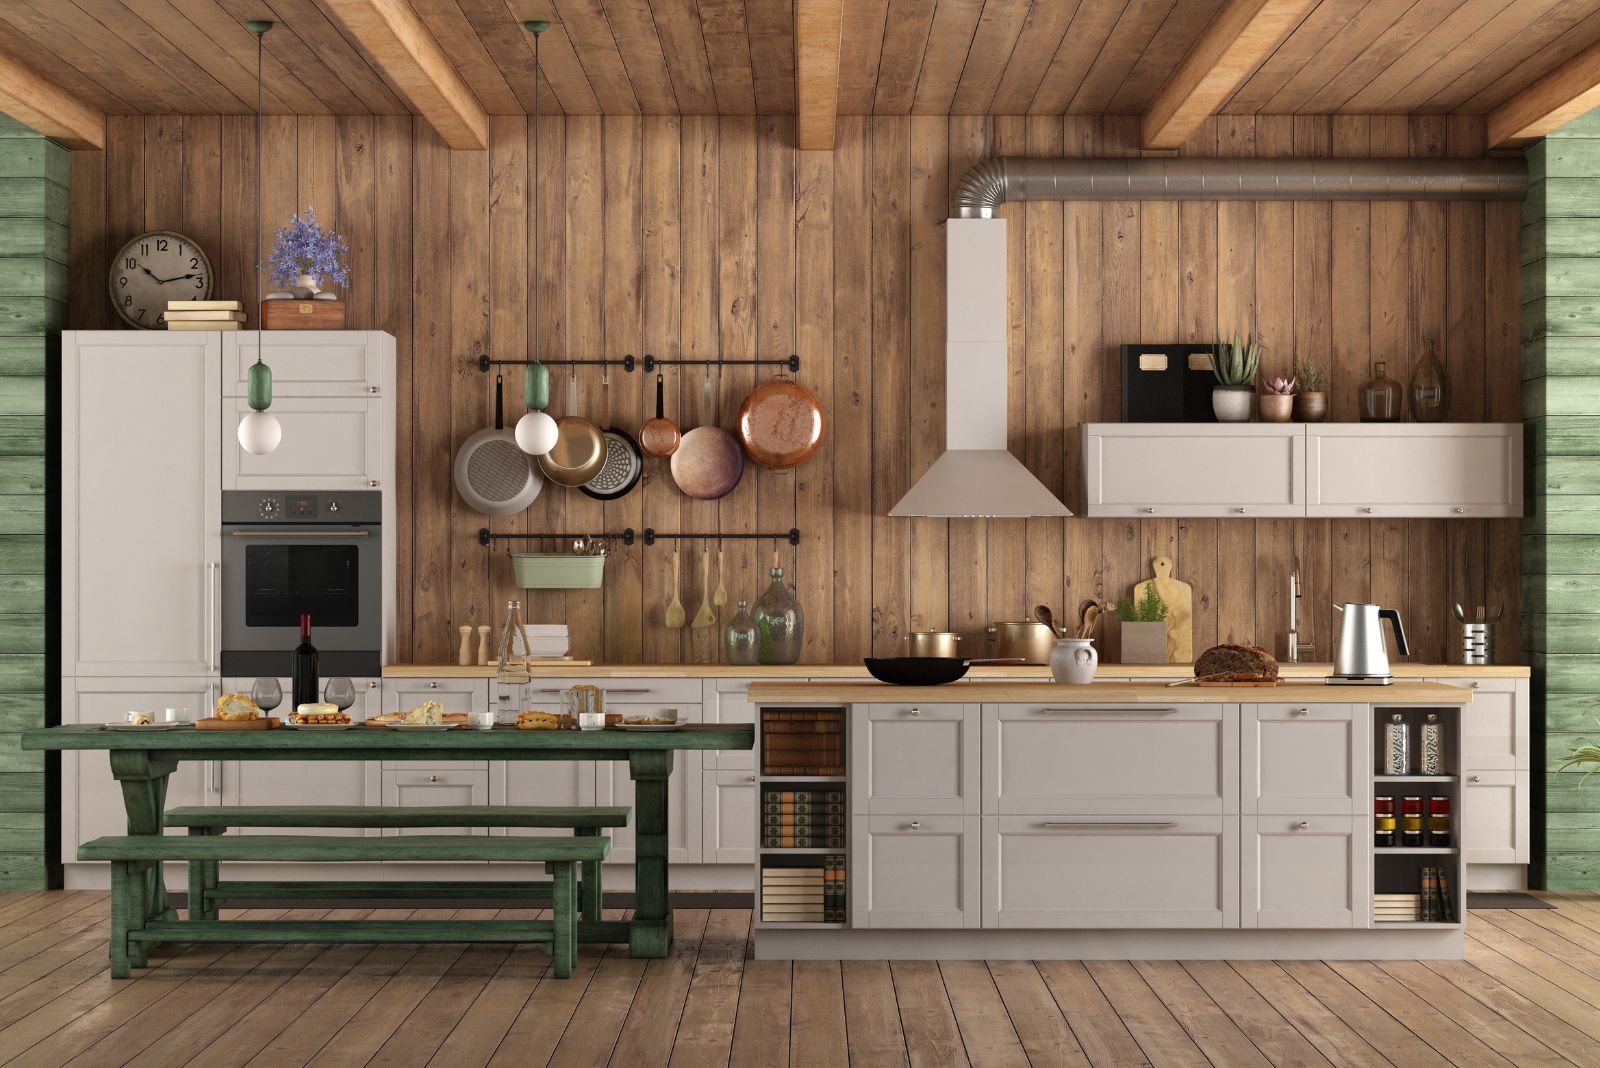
x=1362, y=656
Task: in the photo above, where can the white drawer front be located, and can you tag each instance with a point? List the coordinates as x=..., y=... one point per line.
x=1495, y=817
x=1129, y=871
x=915, y=871
x=1040, y=759
x=1303, y=759
x=1494, y=727
x=1311, y=872
x=682, y=694
x=456, y=695
x=914, y=759
x=427, y=788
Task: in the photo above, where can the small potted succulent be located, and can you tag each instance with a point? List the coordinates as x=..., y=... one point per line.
x=1311, y=402
x=1235, y=366
x=1277, y=403
x=1144, y=627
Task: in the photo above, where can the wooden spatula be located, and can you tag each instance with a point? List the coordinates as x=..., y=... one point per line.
x=675, y=612
x=704, y=617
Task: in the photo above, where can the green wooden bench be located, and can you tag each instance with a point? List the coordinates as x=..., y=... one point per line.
x=206, y=889
x=133, y=854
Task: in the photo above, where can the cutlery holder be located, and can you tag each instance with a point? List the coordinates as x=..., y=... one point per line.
x=1477, y=643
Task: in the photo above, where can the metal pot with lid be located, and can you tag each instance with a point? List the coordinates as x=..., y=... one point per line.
x=932, y=643
x=1028, y=639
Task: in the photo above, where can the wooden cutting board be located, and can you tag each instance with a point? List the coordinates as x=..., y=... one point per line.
x=1179, y=599
x=263, y=723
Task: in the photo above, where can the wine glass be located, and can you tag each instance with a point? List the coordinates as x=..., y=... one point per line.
x=340, y=692
x=267, y=694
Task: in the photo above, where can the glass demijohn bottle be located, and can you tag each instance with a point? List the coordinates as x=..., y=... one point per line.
x=780, y=623
x=1430, y=387
x=1380, y=397
x=741, y=639
x=512, y=649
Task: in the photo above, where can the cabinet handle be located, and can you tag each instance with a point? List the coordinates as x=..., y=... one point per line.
x=433, y=778
x=1301, y=712
x=372, y=684
x=372, y=482
x=915, y=712
x=608, y=689
x=1474, y=778
x=1117, y=824
x=373, y=390
x=1303, y=825
x=1148, y=511
x=212, y=569
x=1366, y=511
x=916, y=825
x=1240, y=509
x=749, y=778
x=433, y=685
x=1111, y=711
x=216, y=777
x=1460, y=510
x=1475, y=685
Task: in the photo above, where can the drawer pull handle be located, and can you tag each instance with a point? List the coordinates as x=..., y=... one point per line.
x=433, y=778
x=1474, y=778
x=1303, y=825
x=608, y=689
x=1240, y=510
x=1148, y=511
x=749, y=778
x=915, y=712
x=1366, y=511
x=916, y=825
x=433, y=685
x=1142, y=825
x=1302, y=712
x=1111, y=711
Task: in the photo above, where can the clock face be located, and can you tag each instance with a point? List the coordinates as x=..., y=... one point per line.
x=152, y=269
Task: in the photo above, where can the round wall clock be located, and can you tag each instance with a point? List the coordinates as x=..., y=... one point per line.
x=152, y=269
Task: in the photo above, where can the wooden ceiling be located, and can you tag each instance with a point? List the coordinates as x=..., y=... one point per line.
x=737, y=56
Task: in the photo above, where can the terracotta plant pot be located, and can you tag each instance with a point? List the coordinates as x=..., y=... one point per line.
x=1310, y=407
x=1233, y=404
x=1276, y=407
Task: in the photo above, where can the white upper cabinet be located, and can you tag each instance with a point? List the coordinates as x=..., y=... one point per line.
x=140, y=502
x=311, y=363
x=1440, y=470
x=1194, y=469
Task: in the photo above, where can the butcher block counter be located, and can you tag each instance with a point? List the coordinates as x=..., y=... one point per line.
x=985, y=692
x=563, y=669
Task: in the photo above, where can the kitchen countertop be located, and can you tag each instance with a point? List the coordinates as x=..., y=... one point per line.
x=858, y=671
x=845, y=693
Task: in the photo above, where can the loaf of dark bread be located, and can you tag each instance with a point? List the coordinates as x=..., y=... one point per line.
x=1236, y=663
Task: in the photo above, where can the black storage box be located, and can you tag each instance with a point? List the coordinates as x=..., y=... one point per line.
x=1167, y=383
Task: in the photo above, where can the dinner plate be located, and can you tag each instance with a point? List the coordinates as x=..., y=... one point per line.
x=649, y=726
x=124, y=725
x=418, y=726
x=318, y=726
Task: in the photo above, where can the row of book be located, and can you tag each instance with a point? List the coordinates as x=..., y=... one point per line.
x=802, y=742
x=1434, y=901
x=803, y=819
x=205, y=315
x=810, y=894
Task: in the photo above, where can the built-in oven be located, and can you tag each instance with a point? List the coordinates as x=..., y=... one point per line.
x=285, y=554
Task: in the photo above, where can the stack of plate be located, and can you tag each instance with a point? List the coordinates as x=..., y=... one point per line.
x=547, y=641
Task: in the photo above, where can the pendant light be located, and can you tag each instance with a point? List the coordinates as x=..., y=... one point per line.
x=259, y=432
x=536, y=432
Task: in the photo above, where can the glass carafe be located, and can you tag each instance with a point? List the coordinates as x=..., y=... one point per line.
x=1430, y=387
x=741, y=639
x=780, y=624
x=1380, y=397
x=512, y=668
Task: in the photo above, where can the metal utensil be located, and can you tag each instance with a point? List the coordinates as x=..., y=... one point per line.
x=660, y=436
x=675, y=612
x=720, y=598
x=623, y=463
x=934, y=643
x=926, y=670
x=580, y=448
x=1457, y=611
x=704, y=617
x=1042, y=613
x=492, y=473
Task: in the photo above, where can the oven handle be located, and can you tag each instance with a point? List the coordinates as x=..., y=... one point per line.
x=297, y=533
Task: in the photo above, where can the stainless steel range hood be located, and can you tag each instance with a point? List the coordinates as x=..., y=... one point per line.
x=976, y=476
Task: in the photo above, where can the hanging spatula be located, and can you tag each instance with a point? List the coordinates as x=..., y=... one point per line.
x=675, y=612
x=704, y=617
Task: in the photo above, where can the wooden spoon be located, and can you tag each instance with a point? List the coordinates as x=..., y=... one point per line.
x=675, y=612
x=1043, y=614
x=720, y=598
x=704, y=617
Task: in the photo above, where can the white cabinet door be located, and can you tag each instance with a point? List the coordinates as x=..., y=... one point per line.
x=91, y=800
x=1111, y=871
x=565, y=783
x=1085, y=759
x=422, y=788
x=140, y=503
x=1444, y=470
x=1495, y=817
x=915, y=758
x=728, y=817
x=329, y=443
x=1495, y=725
x=1302, y=759
x=456, y=695
x=1194, y=469
x=310, y=363
x=1314, y=871
x=728, y=701
x=915, y=871
x=613, y=786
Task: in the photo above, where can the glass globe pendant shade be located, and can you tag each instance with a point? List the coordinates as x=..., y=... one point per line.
x=536, y=432
x=259, y=433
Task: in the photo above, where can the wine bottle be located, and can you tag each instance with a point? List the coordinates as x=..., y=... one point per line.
x=305, y=666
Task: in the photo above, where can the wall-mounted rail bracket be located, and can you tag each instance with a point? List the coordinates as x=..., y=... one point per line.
x=651, y=536
x=488, y=537
x=792, y=362
x=625, y=362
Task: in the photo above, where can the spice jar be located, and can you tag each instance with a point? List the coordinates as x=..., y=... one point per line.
x=1411, y=821
x=1383, y=822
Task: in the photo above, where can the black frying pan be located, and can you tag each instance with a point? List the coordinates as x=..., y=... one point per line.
x=925, y=670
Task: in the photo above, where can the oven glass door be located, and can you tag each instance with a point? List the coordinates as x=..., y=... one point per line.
x=271, y=575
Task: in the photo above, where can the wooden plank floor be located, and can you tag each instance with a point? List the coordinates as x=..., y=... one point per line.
x=1527, y=994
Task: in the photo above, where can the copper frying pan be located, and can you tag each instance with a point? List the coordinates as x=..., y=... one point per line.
x=580, y=448
x=659, y=437
x=780, y=424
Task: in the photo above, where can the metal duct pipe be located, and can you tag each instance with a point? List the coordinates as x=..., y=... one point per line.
x=995, y=181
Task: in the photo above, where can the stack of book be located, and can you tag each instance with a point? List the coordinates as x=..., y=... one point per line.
x=802, y=742
x=205, y=315
x=792, y=895
x=802, y=819
x=1438, y=899
x=833, y=888
x=1392, y=908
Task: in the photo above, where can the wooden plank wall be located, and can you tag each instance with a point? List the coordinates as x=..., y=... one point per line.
x=34, y=178
x=704, y=235
x=1561, y=550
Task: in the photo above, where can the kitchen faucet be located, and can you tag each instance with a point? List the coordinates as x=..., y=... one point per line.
x=1295, y=647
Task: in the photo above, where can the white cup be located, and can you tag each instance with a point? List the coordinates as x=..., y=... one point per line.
x=481, y=721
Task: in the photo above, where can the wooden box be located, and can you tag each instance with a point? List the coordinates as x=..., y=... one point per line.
x=302, y=315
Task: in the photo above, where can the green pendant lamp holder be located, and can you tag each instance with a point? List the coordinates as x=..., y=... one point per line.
x=259, y=432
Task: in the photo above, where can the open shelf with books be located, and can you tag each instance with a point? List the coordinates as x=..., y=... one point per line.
x=1416, y=790
x=803, y=814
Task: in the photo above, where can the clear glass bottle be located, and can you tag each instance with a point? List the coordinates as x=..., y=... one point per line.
x=740, y=638
x=1430, y=761
x=780, y=624
x=1430, y=387
x=1380, y=397
x=512, y=649
x=1396, y=746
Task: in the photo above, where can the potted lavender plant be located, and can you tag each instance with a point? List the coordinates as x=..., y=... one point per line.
x=304, y=256
x=1278, y=401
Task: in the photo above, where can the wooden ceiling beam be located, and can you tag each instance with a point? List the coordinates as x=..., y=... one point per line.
x=1240, y=36
x=40, y=104
x=1549, y=103
x=816, y=60
x=402, y=48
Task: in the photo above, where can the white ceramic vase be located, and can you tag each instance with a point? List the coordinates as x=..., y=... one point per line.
x=305, y=287
x=1233, y=404
x=1073, y=661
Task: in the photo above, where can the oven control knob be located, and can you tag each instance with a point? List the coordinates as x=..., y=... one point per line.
x=269, y=507
x=333, y=506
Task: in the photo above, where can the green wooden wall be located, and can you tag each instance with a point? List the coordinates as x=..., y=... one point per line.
x=1561, y=531
x=33, y=304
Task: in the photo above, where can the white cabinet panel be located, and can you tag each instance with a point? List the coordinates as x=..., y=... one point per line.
x=456, y=695
x=1311, y=872
x=440, y=786
x=614, y=786
x=728, y=817
x=1437, y=469
x=541, y=782
x=310, y=363
x=329, y=443
x=1305, y=759
x=1117, y=761
x=915, y=871
x=1194, y=469
x=140, y=503
x=1495, y=726
x=728, y=701
x=1495, y=817
x=1108, y=871
x=917, y=759
x=295, y=782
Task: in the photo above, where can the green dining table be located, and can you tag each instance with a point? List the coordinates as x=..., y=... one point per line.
x=142, y=761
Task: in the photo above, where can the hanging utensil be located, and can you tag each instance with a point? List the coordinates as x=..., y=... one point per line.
x=623, y=462
x=720, y=598
x=675, y=612
x=709, y=461
x=659, y=437
x=492, y=473
x=780, y=424
x=580, y=448
x=704, y=617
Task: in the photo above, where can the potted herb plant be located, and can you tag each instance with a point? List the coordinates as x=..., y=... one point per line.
x=1232, y=399
x=1144, y=628
x=1277, y=403
x=1311, y=403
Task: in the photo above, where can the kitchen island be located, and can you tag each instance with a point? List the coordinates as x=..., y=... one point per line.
x=1019, y=820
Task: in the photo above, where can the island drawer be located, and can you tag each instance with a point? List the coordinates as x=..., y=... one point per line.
x=915, y=759
x=1305, y=759
x=1305, y=872
x=915, y=871
x=1172, y=870
x=1127, y=760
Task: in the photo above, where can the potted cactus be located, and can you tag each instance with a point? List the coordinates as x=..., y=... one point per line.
x=1311, y=402
x=1277, y=403
x=1235, y=367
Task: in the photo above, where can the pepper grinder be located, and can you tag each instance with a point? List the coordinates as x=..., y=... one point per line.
x=464, y=654
x=483, y=645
